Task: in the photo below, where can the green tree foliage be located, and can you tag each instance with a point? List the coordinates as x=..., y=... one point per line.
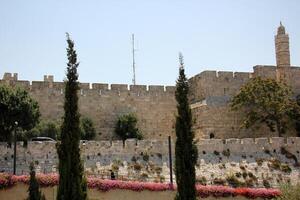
x=186, y=153
x=126, y=127
x=16, y=106
x=72, y=182
x=52, y=129
x=45, y=129
x=88, y=131
x=33, y=190
x=297, y=117
x=266, y=101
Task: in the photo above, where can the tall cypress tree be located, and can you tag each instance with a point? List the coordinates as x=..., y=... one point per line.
x=33, y=190
x=185, y=150
x=72, y=183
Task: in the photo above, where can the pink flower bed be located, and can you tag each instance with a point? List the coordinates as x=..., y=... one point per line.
x=46, y=180
x=106, y=185
x=224, y=191
x=6, y=180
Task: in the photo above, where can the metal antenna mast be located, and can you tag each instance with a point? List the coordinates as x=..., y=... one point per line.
x=133, y=60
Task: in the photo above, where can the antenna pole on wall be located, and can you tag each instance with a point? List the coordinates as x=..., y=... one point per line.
x=133, y=60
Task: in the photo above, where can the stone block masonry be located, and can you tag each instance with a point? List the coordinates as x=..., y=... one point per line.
x=152, y=156
x=154, y=106
x=105, y=152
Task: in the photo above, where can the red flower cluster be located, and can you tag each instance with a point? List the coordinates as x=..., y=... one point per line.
x=6, y=180
x=223, y=191
x=258, y=192
x=216, y=191
x=106, y=185
x=46, y=180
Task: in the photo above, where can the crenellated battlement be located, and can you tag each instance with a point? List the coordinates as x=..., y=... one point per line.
x=249, y=145
x=216, y=83
x=223, y=75
x=230, y=76
x=10, y=77
x=86, y=88
x=48, y=78
x=266, y=71
x=161, y=146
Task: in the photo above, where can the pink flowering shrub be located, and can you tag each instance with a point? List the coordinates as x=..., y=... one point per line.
x=257, y=192
x=6, y=180
x=106, y=185
x=49, y=180
x=216, y=191
x=45, y=180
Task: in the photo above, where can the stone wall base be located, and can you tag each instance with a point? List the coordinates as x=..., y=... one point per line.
x=19, y=192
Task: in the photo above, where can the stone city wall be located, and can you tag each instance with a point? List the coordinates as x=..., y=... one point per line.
x=154, y=105
x=226, y=83
x=219, y=121
x=213, y=83
x=210, y=94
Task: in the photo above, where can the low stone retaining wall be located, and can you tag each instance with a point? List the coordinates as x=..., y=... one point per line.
x=147, y=160
x=19, y=192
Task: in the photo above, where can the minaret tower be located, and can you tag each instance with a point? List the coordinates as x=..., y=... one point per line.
x=282, y=48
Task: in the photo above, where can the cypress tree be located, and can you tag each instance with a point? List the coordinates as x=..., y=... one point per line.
x=185, y=150
x=72, y=183
x=33, y=190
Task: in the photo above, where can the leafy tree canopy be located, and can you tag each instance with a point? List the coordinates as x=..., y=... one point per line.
x=88, y=131
x=296, y=116
x=126, y=127
x=52, y=129
x=16, y=106
x=45, y=129
x=266, y=101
